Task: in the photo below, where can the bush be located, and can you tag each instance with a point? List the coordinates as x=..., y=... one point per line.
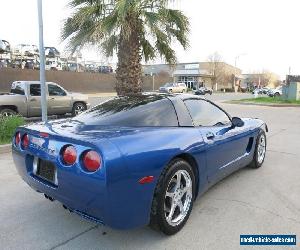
x=8, y=126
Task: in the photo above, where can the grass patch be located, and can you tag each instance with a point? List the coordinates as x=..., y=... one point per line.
x=268, y=100
x=8, y=126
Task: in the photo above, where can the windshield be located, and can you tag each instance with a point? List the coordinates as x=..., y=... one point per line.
x=168, y=85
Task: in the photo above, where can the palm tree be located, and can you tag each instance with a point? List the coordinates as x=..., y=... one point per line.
x=134, y=29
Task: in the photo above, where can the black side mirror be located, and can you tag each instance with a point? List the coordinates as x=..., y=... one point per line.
x=237, y=122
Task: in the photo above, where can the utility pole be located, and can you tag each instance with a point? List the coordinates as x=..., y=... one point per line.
x=235, y=67
x=153, y=82
x=42, y=62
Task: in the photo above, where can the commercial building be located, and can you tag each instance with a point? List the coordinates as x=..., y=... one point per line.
x=216, y=75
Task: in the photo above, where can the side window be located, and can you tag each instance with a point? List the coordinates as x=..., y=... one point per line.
x=206, y=114
x=55, y=91
x=35, y=89
x=17, y=89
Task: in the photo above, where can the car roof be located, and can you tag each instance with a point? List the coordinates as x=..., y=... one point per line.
x=34, y=82
x=172, y=96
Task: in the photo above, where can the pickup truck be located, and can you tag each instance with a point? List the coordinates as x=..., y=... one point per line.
x=25, y=99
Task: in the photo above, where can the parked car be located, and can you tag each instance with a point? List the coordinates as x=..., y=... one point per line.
x=26, y=50
x=265, y=90
x=275, y=92
x=51, y=52
x=75, y=67
x=204, y=91
x=91, y=68
x=257, y=91
x=53, y=64
x=105, y=69
x=135, y=161
x=25, y=99
x=4, y=46
x=173, y=88
x=30, y=64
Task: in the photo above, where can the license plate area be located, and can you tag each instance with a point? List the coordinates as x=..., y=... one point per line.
x=45, y=170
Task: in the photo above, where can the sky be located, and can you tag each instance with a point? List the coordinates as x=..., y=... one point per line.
x=261, y=34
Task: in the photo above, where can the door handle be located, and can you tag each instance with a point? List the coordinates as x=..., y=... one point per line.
x=210, y=135
x=33, y=100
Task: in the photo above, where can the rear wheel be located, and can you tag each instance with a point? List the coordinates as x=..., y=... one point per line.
x=78, y=108
x=260, y=150
x=6, y=112
x=173, y=198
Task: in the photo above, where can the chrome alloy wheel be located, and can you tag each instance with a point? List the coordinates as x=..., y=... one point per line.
x=178, y=197
x=261, y=149
x=6, y=114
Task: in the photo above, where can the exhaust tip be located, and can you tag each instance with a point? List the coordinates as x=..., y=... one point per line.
x=49, y=197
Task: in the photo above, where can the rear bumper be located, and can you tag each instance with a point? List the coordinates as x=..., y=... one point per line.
x=84, y=195
x=118, y=204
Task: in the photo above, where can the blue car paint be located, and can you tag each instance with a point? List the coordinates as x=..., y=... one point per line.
x=113, y=195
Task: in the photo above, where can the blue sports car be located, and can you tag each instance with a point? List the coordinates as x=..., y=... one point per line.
x=140, y=160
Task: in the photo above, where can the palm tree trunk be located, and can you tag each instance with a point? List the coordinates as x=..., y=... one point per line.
x=129, y=69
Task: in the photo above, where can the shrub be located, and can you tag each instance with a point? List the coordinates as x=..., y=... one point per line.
x=8, y=126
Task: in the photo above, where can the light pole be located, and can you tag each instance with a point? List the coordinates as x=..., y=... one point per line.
x=42, y=62
x=153, y=79
x=235, y=67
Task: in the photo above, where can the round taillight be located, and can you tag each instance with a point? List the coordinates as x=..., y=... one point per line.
x=25, y=141
x=91, y=161
x=17, y=138
x=69, y=155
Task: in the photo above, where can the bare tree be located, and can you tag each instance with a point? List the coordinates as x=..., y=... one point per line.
x=221, y=72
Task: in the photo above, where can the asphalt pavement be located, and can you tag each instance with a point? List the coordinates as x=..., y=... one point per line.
x=262, y=201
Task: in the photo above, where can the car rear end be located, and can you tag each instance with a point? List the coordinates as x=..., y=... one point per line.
x=69, y=170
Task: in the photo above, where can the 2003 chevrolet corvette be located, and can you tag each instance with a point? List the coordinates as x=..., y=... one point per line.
x=135, y=161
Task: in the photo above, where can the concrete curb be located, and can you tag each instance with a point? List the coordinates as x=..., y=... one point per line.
x=4, y=149
x=264, y=104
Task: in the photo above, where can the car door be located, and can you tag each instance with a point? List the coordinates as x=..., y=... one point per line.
x=225, y=145
x=34, y=100
x=59, y=102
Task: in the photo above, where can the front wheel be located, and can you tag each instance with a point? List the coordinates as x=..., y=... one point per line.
x=78, y=108
x=173, y=199
x=260, y=150
x=6, y=112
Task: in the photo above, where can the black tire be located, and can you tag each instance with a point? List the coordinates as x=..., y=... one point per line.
x=276, y=94
x=158, y=220
x=256, y=162
x=7, y=112
x=78, y=108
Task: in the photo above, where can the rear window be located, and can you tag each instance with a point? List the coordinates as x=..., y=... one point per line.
x=144, y=111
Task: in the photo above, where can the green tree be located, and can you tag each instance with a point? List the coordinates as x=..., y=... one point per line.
x=134, y=29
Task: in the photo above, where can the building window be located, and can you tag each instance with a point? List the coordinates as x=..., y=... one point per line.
x=190, y=81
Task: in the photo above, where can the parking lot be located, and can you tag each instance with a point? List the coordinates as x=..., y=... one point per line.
x=263, y=201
